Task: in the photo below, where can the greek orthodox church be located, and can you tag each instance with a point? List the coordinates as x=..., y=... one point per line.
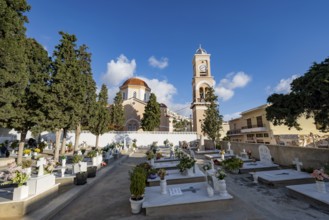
x=136, y=94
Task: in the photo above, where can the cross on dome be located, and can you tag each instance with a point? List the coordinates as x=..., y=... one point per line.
x=200, y=50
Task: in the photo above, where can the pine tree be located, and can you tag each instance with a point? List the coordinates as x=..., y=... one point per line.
x=152, y=114
x=212, y=123
x=101, y=117
x=13, y=72
x=117, y=113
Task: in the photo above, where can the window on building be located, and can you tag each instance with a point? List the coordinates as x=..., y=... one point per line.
x=259, y=135
x=145, y=97
x=124, y=96
x=259, y=121
x=234, y=126
x=249, y=125
x=265, y=134
x=135, y=94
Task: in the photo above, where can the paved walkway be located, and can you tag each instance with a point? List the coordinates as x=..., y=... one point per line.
x=109, y=199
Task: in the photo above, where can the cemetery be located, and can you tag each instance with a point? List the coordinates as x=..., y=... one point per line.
x=178, y=179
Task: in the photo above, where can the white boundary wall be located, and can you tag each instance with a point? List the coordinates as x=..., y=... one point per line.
x=143, y=138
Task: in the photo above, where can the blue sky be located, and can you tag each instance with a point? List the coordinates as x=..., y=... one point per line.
x=256, y=46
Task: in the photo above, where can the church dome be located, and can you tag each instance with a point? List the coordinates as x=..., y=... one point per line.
x=135, y=82
x=200, y=50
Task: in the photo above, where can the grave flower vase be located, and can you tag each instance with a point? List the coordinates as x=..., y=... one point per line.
x=152, y=162
x=321, y=187
x=28, y=170
x=163, y=186
x=222, y=156
x=210, y=191
x=190, y=172
x=255, y=177
x=63, y=162
x=94, y=161
x=222, y=187
x=20, y=193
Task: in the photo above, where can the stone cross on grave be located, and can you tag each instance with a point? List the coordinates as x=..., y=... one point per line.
x=229, y=146
x=191, y=188
x=297, y=163
x=41, y=162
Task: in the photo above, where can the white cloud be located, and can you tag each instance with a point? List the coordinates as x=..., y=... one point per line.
x=283, y=86
x=225, y=88
x=161, y=64
x=119, y=70
x=231, y=116
x=163, y=90
x=181, y=108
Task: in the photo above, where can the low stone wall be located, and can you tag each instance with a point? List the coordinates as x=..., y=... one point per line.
x=284, y=155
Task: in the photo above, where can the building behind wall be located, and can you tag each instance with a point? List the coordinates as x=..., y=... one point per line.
x=253, y=127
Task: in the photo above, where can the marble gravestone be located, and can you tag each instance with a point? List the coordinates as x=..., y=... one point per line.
x=265, y=155
x=265, y=162
x=41, y=162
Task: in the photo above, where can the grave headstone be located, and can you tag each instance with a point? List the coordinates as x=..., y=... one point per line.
x=265, y=155
x=297, y=163
x=41, y=162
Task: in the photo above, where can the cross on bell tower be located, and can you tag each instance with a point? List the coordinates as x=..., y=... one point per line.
x=201, y=82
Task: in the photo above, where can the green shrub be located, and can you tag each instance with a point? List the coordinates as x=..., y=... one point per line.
x=137, y=183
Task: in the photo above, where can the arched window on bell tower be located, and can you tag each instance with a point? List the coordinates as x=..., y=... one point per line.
x=206, y=91
x=201, y=92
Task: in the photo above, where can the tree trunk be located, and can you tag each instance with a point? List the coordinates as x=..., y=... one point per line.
x=21, y=147
x=58, y=139
x=97, y=138
x=77, y=137
x=64, y=142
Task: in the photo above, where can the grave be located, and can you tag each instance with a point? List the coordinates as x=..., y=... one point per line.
x=308, y=193
x=166, y=165
x=265, y=162
x=216, y=156
x=284, y=177
x=176, y=177
x=40, y=184
x=207, y=152
x=166, y=159
x=183, y=198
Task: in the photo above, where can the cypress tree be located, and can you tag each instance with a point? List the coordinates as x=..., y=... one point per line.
x=101, y=117
x=87, y=96
x=212, y=123
x=152, y=114
x=117, y=113
x=13, y=72
x=65, y=77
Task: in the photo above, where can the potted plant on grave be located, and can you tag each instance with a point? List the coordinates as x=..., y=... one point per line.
x=137, y=189
x=49, y=166
x=16, y=175
x=83, y=151
x=232, y=164
x=92, y=155
x=152, y=173
x=81, y=176
x=166, y=142
x=186, y=164
x=134, y=144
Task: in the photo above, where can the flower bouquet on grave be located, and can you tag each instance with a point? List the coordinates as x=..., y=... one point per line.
x=14, y=174
x=162, y=173
x=49, y=166
x=158, y=155
x=319, y=175
x=220, y=174
x=186, y=163
x=150, y=155
x=206, y=167
x=37, y=150
x=27, y=152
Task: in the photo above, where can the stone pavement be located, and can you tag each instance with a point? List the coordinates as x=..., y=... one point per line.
x=108, y=198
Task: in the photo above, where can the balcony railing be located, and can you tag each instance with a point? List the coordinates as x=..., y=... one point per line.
x=233, y=132
x=253, y=128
